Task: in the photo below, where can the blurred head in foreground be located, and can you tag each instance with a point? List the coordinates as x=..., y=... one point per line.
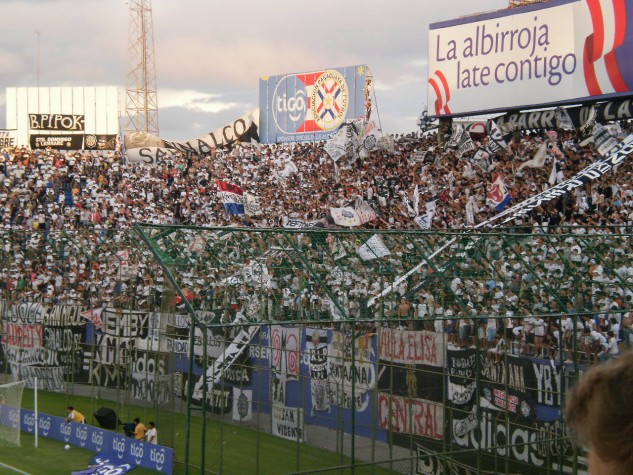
x=599, y=410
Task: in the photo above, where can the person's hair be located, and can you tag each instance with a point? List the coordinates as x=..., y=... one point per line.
x=137, y=420
x=151, y=423
x=70, y=408
x=599, y=411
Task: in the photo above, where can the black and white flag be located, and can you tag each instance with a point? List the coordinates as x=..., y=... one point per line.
x=425, y=123
x=496, y=142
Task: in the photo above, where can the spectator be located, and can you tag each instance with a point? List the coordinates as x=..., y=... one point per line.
x=593, y=342
x=499, y=350
x=152, y=434
x=599, y=411
x=75, y=416
x=139, y=429
x=610, y=349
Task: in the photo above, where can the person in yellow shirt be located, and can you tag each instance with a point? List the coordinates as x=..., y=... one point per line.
x=139, y=429
x=75, y=416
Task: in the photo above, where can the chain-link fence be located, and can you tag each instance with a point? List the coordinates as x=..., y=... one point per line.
x=418, y=352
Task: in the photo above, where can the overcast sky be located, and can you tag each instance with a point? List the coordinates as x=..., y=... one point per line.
x=210, y=53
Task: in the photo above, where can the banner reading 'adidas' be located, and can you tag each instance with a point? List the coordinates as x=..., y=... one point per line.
x=302, y=107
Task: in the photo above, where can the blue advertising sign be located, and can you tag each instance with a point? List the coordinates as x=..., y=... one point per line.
x=117, y=447
x=303, y=107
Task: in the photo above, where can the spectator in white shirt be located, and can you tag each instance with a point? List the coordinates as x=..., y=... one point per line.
x=611, y=348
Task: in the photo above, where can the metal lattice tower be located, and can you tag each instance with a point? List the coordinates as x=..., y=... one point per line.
x=141, y=104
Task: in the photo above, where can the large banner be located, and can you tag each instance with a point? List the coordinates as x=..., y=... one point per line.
x=553, y=52
x=57, y=122
x=72, y=141
x=44, y=342
x=100, y=142
x=412, y=347
x=147, y=148
x=576, y=117
x=351, y=376
x=57, y=141
x=301, y=107
x=287, y=423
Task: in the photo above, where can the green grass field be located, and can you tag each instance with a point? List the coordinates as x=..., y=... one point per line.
x=229, y=449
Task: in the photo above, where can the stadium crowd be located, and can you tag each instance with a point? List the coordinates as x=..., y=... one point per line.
x=90, y=199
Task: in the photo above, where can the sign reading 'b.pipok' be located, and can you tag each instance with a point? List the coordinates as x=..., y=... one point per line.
x=68, y=122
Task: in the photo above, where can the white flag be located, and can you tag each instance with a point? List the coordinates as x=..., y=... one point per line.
x=374, y=248
x=603, y=139
x=387, y=143
x=356, y=214
x=289, y=169
x=425, y=220
x=470, y=211
x=563, y=120
x=336, y=144
x=553, y=174
x=370, y=136
x=456, y=136
x=251, y=205
x=336, y=313
x=416, y=200
x=539, y=158
x=431, y=206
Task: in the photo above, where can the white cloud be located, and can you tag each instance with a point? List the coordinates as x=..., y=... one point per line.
x=381, y=86
x=419, y=63
x=84, y=42
x=195, y=101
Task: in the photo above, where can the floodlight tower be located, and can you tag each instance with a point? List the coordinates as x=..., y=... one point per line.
x=141, y=101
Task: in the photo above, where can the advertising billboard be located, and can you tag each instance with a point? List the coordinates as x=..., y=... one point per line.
x=64, y=117
x=301, y=107
x=118, y=447
x=550, y=53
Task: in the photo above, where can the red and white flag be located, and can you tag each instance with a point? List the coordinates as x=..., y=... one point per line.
x=94, y=315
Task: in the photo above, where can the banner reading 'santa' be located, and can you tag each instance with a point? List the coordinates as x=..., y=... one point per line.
x=553, y=52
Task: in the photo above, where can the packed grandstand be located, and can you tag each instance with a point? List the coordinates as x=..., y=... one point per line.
x=438, y=290
x=91, y=199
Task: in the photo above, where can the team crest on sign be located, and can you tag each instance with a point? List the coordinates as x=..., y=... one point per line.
x=329, y=100
x=91, y=141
